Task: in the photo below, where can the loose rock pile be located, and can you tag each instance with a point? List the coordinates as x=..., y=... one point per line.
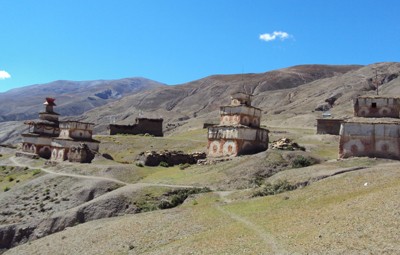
x=80, y=153
x=286, y=144
x=212, y=161
x=153, y=158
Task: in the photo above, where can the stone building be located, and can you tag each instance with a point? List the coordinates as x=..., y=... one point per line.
x=370, y=138
x=52, y=139
x=239, y=130
x=41, y=133
x=377, y=106
x=73, y=134
x=377, y=136
x=141, y=126
x=329, y=126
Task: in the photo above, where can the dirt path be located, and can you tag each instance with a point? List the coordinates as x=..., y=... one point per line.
x=13, y=160
x=91, y=177
x=268, y=240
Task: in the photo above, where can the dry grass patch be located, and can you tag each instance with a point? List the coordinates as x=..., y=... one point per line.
x=337, y=215
x=125, y=148
x=11, y=176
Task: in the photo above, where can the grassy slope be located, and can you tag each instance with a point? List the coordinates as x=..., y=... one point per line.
x=355, y=212
x=337, y=215
x=11, y=176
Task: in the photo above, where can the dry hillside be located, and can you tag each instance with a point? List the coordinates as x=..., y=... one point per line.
x=73, y=97
x=195, y=100
x=290, y=96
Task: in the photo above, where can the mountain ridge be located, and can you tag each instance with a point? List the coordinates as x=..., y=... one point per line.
x=202, y=96
x=289, y=96
x=73, y=97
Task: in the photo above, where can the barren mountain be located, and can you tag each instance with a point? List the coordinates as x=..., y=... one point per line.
x=73, y=97
x=200, y=97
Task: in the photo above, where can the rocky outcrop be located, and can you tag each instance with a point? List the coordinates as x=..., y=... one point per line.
x=114, y=203
x=108, y=93
x=153, y=158
x=80, y=153
x=46, y=205
x=26, y=155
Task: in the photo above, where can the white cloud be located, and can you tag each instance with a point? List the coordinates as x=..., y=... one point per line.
x=275, y=35
x=4, y=75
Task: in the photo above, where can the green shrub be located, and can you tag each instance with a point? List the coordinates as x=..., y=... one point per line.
x=163, y=164
x=258, y=180
x=184, y=166
x=10, y=178
x=276, y=188
x=301, y=161
x=139, y=164
x=6, y=188
x=146, y=206
x=177, y=197
x=35, y=172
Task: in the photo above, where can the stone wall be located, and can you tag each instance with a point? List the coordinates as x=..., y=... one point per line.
x=329, y=126
x=234, y=147
x=207, y=125
x=46, y=129
x=244, y=115
x=26, y=155
x=241, y=133
x=75, y=129
x=59, y=154
x=378, y=107
x=241, y=119
x=234, y=141
x=142, y=126
x=152, y=158
x=370, y=140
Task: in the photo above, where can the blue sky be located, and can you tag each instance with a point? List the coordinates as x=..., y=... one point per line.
x=179, y=41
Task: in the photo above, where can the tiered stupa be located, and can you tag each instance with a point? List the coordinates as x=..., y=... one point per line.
x=239, y=130
x=59, y=140
x=38, y=140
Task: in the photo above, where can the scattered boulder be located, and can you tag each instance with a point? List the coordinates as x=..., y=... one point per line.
x=26, y=155
x=323, y=107
x=332, y=99
x=286, y=144
x=212, y=161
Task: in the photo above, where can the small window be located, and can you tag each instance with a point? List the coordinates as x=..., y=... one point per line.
x=373, y=105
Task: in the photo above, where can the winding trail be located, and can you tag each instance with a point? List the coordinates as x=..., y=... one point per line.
x=269, y=241
x=100, y=178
